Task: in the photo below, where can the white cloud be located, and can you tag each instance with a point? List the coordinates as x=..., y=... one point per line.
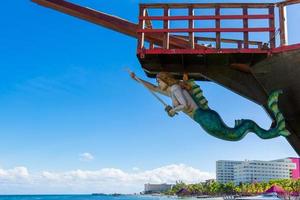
x=107, y=180
x=135, y=169
x=15, y=173
x=86, y=156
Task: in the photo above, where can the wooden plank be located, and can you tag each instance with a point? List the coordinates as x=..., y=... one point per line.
x=141, y=36
x=109, y=21
x=218, y=26
x=245, y=26
x=191, y=26
x=209, y=5
x=209, y=39
x=166, y=27
x=288, y=2
x=97, y=17
x=148, y=21
x=208, y=17
x=272, y=25
x=205, y=51
x=282, y=25
x=208, y=30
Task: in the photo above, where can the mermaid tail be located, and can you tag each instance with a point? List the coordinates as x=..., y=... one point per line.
x=213, y=124
x=273, y=106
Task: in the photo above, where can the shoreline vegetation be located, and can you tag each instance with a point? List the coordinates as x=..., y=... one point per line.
x=215, y=189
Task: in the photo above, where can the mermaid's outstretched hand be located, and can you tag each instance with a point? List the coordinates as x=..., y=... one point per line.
x=132, y=75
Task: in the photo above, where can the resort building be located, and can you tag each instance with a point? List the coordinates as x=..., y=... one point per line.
x=257, y=171
x=156, y=188
x=225, y=170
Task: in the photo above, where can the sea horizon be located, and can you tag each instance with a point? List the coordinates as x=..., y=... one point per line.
x=84, y=197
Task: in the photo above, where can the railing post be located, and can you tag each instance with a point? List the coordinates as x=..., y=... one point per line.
x=141, y=36
x=218, y=26
x=282, y=24
x=245, y=25
x=166, y=27
x=191, y=27
x=272, y=25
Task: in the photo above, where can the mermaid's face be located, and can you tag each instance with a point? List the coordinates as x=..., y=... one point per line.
x=162, y=85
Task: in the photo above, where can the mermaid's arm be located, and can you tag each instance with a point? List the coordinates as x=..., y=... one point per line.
x=150, y=86
x=178, y=108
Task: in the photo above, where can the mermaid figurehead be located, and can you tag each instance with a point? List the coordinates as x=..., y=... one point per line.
x=179, y=93
x=188, y=97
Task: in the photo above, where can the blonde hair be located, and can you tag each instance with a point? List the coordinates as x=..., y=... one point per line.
x=167, y=78
x=170, y=80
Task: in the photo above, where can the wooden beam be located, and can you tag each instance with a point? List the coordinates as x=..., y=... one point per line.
x=272, y=25
x=209, y=5
x=207, y=30
x=191, y=26
x=109, y=21
x=166, y=26
x=245, y=26
x=282, y=25
x=212, y=39
x=97, y=17
x=207, y=17
x=141, y=36
x=288, y=2
x=218, y=25
x=148, y=22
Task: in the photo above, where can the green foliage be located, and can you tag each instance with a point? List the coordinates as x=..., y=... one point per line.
x=217, y=189
x=176, y=188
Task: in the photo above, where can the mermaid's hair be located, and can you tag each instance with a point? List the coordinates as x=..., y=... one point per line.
x=170, y=80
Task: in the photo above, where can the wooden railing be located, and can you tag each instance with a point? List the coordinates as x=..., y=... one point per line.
x=189, y=33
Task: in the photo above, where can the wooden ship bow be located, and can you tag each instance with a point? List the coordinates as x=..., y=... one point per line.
x=251, y=68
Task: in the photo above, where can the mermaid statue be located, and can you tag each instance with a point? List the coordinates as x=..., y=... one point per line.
x=188, y=97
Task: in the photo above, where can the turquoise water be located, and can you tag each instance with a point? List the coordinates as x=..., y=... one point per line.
x=82, y=197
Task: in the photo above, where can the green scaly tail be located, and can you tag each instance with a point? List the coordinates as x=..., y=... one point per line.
x=213, y=124
x=273, y=106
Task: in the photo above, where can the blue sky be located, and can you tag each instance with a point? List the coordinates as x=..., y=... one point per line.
x=64, y=92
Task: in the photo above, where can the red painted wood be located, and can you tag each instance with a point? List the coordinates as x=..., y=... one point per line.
x=166, y=26
x=286, y=48
x=208, y=17
x=245, y=26
x=218, y=26
x=220, y=51
x=191, y=26
x=272, y=35
x=162, y=37
x=282, y=25
x=202, y=51
x=208, y=30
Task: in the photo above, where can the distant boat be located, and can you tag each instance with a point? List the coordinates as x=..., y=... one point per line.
x=99, y=194
x=102, y=194
x=115, y=195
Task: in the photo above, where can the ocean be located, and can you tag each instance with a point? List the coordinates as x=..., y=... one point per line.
x=84, y=197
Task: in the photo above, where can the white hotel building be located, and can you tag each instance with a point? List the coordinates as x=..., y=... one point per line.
x=255, y=170
x=225, y=170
